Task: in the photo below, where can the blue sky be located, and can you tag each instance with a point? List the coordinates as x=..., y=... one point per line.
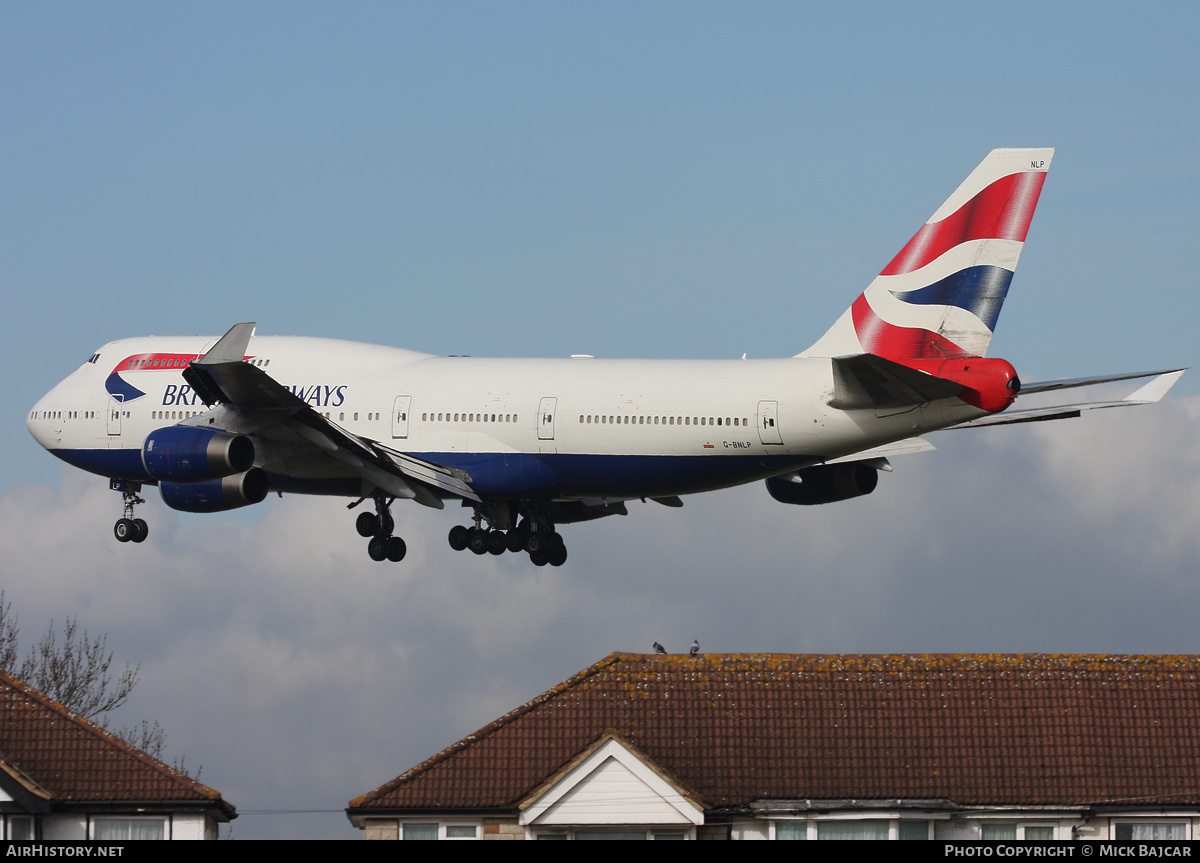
x=663, y=180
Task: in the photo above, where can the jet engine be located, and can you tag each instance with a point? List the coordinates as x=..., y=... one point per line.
x=824, y=483
x=181, y=454
x=216, y=495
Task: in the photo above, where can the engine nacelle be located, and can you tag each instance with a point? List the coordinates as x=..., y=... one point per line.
x=216, y=495
x=184, y=454
x=825, y=483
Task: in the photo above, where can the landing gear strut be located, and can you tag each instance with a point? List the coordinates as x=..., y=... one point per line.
x=538, y=538
x=379, y=526
x=129, y=529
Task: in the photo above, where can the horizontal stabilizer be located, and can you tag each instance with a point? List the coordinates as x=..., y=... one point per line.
x=1070, y=383
x=866, y=381
x=1147, y=394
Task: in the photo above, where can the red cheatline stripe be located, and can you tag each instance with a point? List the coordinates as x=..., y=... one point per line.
x=151, y=358
x=1002, y=211
x=891, y=342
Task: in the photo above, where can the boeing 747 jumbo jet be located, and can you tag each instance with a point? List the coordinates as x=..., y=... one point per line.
x=529, y=444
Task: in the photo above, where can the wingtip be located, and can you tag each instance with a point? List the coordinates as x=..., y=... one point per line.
x=231, y=347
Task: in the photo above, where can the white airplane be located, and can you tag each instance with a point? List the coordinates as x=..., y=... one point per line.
x=529, y=444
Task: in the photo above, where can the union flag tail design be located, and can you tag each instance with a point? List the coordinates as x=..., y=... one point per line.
x=940, y=297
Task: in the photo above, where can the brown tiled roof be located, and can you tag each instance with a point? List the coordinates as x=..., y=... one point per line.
x=972, y=729
x=59, y=756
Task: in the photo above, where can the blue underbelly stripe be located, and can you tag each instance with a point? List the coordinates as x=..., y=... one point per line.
x=519, y=475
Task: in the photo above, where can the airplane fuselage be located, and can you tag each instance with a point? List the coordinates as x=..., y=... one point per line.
x=556, y=429
x=529, y=444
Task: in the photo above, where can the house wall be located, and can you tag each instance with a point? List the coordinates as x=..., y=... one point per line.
x=74, y=826
x=487, y=828
x=61, y=826
x=193, y=826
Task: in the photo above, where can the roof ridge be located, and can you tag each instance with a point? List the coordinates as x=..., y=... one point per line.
x=490, y=728
x=109, y=737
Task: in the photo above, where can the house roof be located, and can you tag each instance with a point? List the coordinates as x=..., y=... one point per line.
x=1029, y=729
x=58, y=756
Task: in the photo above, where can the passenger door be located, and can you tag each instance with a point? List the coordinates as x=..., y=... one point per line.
x=546, y=418
x=400, y=417
x=768, y=423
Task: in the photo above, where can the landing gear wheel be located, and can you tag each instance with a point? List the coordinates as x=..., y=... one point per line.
x=124, y=530
x=514, y=540
x=557, y=556
x=477, y=540
x=497, y=542
x=539, y=558
x=367, y=524
x=378, y=548
x=458, y=537
x=396, y=549
x=536, y=542
x=141, y=530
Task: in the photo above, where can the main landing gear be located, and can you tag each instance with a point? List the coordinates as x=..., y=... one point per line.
x=379, y=526
x=129, y=529
x=545, y=546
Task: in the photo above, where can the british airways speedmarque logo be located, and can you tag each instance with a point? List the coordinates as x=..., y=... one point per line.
x=118, y=386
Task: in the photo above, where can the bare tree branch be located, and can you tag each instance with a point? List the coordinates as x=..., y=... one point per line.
x=148, y=737
x=76, y=671
x=8, y=636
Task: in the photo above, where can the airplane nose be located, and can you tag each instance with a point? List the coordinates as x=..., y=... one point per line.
x=42, y=426
x=45, y=421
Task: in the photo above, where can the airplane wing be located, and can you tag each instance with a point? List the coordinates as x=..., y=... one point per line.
x=1147, y=394
x=878, y=457
x=252, y=402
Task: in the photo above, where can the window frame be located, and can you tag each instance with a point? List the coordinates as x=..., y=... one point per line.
x=94, y=821
x=1185, y=823
x=812, y=825
x=442, y=828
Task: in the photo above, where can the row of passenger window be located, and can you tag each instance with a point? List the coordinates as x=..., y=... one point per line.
x=468, y=418
x=639, y=420
x=173, y=363
x=62, y=415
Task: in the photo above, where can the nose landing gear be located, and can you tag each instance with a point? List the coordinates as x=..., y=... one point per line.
x=129, y=529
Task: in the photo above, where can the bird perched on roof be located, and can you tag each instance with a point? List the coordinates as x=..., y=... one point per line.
x=695, y=648
x=658, y=648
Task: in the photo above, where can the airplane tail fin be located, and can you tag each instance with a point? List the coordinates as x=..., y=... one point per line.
x=940, y=297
